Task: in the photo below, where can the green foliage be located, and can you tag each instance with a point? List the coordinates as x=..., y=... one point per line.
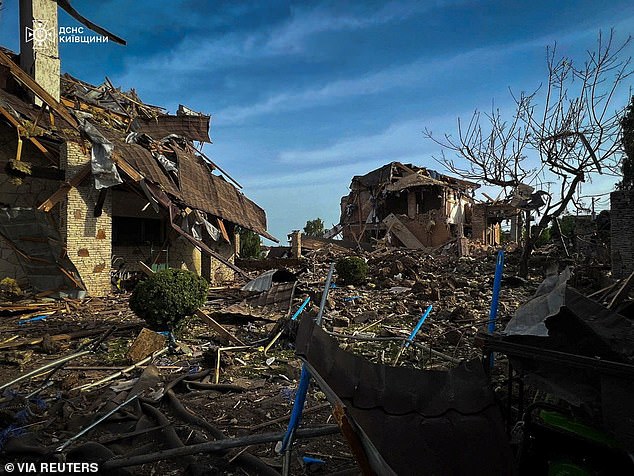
x=351, y=270
x=250, y=245
x=165, y=298
x=314, y=228
x=627, y=140
x=9, y=288
x=567, y=224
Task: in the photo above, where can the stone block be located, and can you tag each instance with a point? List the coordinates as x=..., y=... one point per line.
x=145, y=344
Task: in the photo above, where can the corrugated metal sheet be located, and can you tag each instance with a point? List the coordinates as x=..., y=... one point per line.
x=420, y=422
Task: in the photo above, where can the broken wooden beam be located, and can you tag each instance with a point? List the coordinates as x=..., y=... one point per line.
x=63, y=337
x=63, y=190
x=38, y=90
x=218, y=327
x=402, y=232
x=623, y=291
x=223, y=230
x=33, y=140
x=127, y=168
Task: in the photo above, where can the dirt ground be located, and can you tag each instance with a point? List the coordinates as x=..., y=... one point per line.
x=256, y=389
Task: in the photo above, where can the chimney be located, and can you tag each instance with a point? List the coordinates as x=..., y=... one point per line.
x=39, y=50
x=296, y=243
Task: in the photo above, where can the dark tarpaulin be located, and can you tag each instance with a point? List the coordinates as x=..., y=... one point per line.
x=419, y=421
x=560, y=319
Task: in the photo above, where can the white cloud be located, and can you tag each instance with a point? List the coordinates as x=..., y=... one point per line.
x=208, y=53
x=416, y=73
x=304, y=23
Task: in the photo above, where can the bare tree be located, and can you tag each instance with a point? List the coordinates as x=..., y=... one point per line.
x=571, y=125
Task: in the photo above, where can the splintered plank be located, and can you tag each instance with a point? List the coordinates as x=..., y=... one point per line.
x=402, y=232
x=33, y=140
x=223, y=230
x=63, y=190
x=623, y=291
x=38, y=90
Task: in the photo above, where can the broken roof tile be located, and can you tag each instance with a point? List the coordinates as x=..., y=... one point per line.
x=195, y=128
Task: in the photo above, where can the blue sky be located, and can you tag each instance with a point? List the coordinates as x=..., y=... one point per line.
x=305, y=95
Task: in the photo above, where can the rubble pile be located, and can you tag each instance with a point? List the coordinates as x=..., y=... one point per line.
x=401, y=285
x=214, y=396
x=243, y=393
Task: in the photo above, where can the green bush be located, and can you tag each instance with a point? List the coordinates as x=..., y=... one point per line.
x=167, y=297
x=351, y=270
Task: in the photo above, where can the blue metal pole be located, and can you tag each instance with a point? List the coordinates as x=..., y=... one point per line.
x=410, y=339
x=302, y=388
x=324, y=296
x=497, y=284
x=298, y=406
x=301, y=308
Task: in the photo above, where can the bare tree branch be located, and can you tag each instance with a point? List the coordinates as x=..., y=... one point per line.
x=576, y=133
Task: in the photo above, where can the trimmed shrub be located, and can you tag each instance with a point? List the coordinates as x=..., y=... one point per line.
x=351, y=270
x=165, y=298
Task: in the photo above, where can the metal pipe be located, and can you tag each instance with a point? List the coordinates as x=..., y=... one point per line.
x=410, y=339
x=83, y=388
x=324, y=296
x=44, y=368
x=497, y=284
x=300, y=397
x=90, y=427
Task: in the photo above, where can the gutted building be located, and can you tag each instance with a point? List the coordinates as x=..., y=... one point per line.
x=93, y=182
x=407, y=206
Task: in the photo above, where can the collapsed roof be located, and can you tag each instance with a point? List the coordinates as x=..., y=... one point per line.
x=146, y=144
x=396, y=176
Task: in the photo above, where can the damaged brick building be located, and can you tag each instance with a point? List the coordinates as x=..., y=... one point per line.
x=408, y=205
x=92, y=179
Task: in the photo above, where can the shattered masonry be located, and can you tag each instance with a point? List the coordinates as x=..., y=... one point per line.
x=139, y=189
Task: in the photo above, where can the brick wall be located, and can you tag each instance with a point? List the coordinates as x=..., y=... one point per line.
x=479, y=222
x=219, y=272
x=622, y=233
x=184, y=255
x=28, y=192
x=88, y=239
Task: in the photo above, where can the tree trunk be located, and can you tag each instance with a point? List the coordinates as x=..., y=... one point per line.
x=529, y=245
x=526, y=254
